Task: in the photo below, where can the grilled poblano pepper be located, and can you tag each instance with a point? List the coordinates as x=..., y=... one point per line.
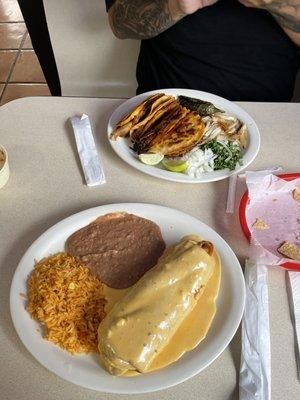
x=203, y=108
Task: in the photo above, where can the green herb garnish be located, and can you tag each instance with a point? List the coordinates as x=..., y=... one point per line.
x=228, y=154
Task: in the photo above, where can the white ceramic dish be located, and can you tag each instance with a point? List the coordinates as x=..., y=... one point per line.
x=85, y=370
x=122, y=145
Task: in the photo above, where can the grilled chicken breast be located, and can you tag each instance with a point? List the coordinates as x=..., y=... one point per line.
x=162, y=125
x=175, y=136
x=181, y=139
x=141, y=113
x=162, y=109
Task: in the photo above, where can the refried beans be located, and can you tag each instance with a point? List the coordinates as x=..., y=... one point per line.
x=118, y=247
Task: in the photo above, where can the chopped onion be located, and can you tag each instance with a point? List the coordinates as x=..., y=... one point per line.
x=199, y=161
x=227, y=148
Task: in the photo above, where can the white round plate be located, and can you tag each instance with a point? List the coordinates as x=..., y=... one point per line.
x=122, y=145
x=85, y=370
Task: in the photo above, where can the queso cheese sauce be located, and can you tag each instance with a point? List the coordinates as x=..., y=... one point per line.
x=194, y=327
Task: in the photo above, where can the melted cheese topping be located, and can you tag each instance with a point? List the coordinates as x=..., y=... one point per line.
x=194, y=327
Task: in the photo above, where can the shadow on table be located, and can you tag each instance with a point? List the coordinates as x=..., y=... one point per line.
x=235, y=352
x=228, y=226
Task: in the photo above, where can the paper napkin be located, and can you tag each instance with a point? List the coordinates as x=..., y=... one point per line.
x=90, y=161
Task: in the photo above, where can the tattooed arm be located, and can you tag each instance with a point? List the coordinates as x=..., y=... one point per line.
x=285, y=12
x=143, y=19
x=288, y=17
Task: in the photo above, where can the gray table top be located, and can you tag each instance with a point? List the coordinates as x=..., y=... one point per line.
x=46, y=185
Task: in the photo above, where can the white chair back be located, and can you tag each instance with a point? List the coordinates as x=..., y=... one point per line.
x=90, y=60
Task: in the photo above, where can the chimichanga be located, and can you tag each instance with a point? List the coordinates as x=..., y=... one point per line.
x=139, y=326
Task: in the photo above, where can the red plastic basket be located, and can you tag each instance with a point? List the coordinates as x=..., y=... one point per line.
x=242, y=215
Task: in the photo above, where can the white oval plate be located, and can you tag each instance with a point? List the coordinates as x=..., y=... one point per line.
x=85, y=370
x=122, y=145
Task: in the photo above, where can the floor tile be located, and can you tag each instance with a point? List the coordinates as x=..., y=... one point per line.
x=27, y=68
x=1, y=88
x=10, y=11
x=11, y=35
x=16, y=90
x=27, y=43
x=7, y=58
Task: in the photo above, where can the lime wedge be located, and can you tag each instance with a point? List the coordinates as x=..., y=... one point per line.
x=175, y=165
x=151, y=159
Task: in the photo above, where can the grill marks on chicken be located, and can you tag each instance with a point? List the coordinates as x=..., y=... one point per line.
x=124, y=127
x=178, y=138
x=161, y=125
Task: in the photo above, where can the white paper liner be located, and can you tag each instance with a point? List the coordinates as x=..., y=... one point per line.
x=294, y=278
x=271, y=201
x=232, y=187
x=255, y=369
x=90, y=162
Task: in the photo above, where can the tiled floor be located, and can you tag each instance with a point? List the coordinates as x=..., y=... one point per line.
x=20, y=71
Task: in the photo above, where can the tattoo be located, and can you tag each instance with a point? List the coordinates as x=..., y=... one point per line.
x=287, y=14
x=141, y=19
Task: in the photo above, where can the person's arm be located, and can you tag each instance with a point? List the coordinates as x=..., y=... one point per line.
x=144, y=19
x=288, y=17
x=285, y=12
